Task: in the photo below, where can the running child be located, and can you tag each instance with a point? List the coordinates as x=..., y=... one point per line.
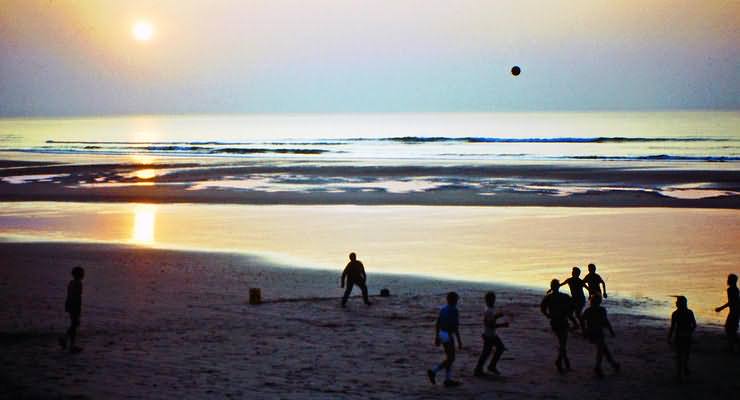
x=595, y=322
x=445, y=331
x=490, y=337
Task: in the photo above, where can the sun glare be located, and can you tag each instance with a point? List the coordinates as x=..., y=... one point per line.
x=144, y=220
x=143, y=31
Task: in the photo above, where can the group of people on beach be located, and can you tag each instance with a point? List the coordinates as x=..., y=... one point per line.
x=558, y=307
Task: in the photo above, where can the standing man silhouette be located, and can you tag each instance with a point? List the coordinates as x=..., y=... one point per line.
x=354, y=274
x=73, y=306
x=733, y=317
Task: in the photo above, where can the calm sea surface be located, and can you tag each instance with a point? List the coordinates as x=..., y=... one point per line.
x=678, y=137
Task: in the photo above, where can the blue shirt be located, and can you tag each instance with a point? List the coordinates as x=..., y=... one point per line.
x=448, y=318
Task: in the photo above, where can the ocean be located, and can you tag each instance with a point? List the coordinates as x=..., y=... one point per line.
x=658, y=137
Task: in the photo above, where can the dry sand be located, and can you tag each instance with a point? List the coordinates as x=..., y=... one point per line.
x=168, y=324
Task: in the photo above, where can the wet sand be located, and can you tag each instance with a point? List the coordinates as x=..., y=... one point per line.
x=169, y=324
x=303, y=182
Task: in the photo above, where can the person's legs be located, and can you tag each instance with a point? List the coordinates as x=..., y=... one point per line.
x=500, y=348
x=347, y=292
x=363, y=287
x=450, y=354
x=72, y=331
x=487, y=346
x=686, y=353
x=449, y=348
x=579, y=311
x=563, y=346
x=608, y=355
x=574, y=321
x=732, y=331
x=682, y=363
x=561, y=332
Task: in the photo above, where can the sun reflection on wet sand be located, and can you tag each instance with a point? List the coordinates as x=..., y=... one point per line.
x=144, y=222
x=145, y=173
x=644, y=254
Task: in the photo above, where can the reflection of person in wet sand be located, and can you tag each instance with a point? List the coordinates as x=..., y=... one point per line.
x=733, y=303
x=557, y=307
x=576, y=286
x=593, y=282
x=445, y=331
x=595, y=321
x=683, y=325
x=73, y=306
x=354, y=274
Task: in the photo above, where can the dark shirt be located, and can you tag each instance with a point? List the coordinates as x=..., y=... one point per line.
x=683, y=323
x=576, y=288
x=73, y=304
x=558, y=306
x=449, y=320
x=354, y=272
x=733, y=301
x=595, y=320
x=593, y=281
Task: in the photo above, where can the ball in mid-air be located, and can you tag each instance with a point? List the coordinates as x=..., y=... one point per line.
x=515, y=70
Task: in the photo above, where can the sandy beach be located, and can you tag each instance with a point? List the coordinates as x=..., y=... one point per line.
x=169, y=324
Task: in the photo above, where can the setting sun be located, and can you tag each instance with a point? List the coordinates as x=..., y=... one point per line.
x=142, y=31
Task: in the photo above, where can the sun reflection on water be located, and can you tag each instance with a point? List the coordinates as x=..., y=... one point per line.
x=144, y=221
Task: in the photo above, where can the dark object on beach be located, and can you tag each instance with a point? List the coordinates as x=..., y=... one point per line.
x=385, y=292
x=515, y=70
x=255, y=296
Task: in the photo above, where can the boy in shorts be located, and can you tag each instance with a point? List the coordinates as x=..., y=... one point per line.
x=445, y=330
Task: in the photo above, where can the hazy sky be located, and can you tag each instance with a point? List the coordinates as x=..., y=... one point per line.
x=63, y=57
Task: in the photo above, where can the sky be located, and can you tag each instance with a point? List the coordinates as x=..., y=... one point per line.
x=65, y=58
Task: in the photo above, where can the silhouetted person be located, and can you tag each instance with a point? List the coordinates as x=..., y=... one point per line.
x=354, y=274
x=576, y=286
x=733, y=303
x=73, y=306
x=490, y=337
x=593, y=282
x=557, y=307
x=445, y=331
x=683, y=325
x=595, y=321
